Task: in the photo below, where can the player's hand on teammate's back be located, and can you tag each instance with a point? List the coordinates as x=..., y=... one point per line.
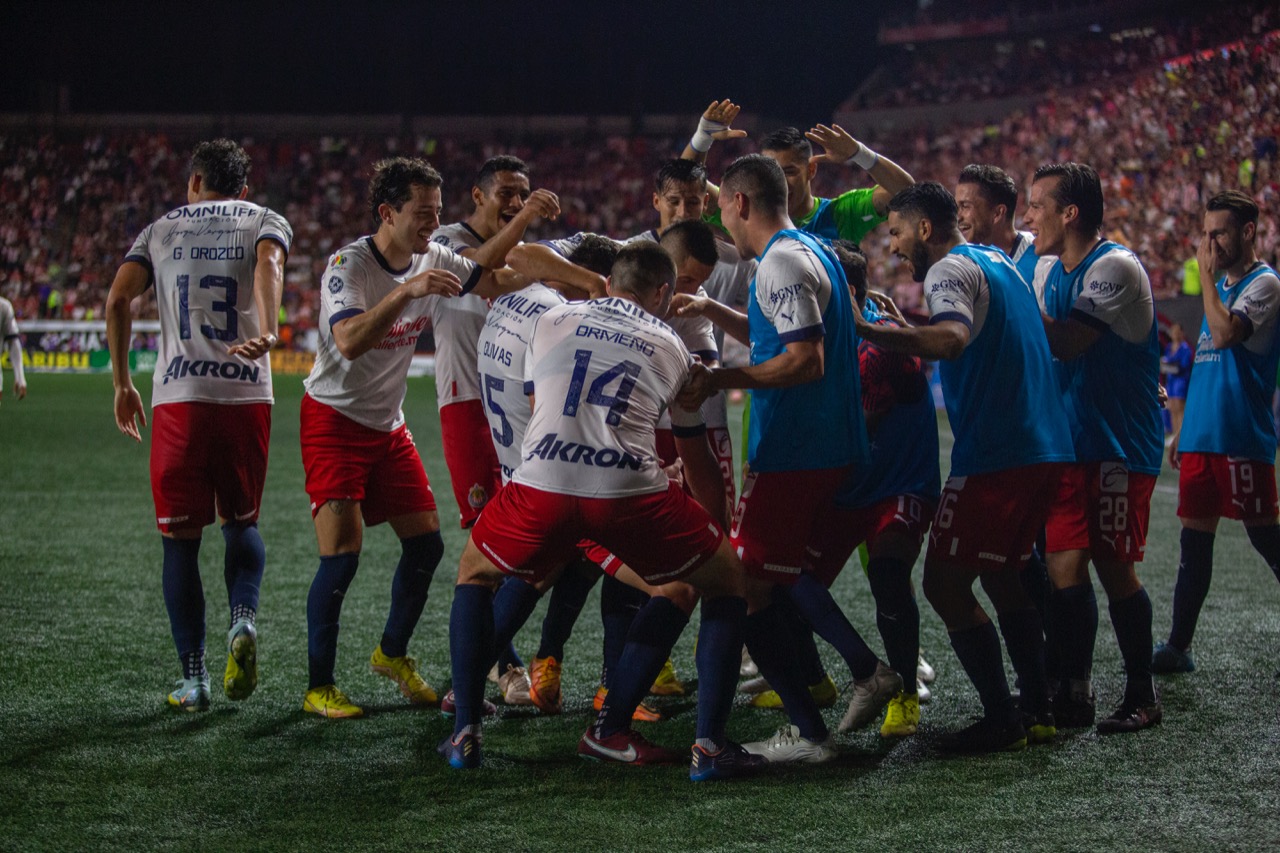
x=128, y=407
x=838, y=146
x=254, y=347
x=433, y=281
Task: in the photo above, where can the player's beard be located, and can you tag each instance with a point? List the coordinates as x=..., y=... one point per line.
x=919, y=262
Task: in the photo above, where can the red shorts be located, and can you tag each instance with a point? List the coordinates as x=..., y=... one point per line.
x=530, y=533
x=843, y=530
x=990, y=521
x=473, y=464
x=208, y=460
x=347, y=461
x=776, y=517
x=1211, y=485
x=1102, y=508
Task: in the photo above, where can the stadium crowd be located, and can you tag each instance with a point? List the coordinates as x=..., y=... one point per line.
x=944, y=72
x=1176, y=135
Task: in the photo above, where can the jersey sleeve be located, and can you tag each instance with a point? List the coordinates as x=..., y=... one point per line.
x=855, y=213
x=951, y=290
x=1257, y=305
x=342, y=292
x=564, y=246
x=685, y=423
x=787, y=294
x=467, y=270
x=1112, y=284
x=140, y=253
x=276, y=227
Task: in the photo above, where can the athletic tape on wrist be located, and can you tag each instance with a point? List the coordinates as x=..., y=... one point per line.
x=865, y=158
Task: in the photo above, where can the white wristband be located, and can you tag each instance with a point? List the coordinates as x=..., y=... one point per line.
x=702, y=139
x=865, y=159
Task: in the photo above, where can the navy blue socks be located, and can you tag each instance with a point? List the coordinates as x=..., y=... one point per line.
x=564, y=604
x=829, y=622
x=649, y=642
x=184, y=600
x=324, y=606
x=1131, y=618
x=772, y=645
x=897, y=616
x=246, y=558
x=419, y=556
x=978, y=649
x=470, y=651
x=1195, y=571
x=1024, y=638
x=718, y=654
x=619, y=604
x=1075, y=621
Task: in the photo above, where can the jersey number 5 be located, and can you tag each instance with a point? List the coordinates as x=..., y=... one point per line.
x=226, y=306
x=616, y=403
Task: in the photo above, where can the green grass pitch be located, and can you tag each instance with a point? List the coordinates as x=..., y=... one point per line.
x=91, y=757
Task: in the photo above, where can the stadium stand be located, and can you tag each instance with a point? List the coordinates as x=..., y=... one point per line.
x=1165, y=136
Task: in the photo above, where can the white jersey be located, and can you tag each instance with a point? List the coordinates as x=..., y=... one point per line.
x=698, y=336
x=8, y=321
x=201, y=258
x=730, y=285
x=370, y=390
x=601, y=373
x=504, y=342
x=456, y=325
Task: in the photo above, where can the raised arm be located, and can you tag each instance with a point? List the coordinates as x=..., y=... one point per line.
x=735, y=324
x=840, y=147
x=1227, y=329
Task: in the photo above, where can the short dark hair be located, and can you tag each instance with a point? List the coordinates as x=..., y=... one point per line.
x=222, y=165
x=692, y=238
x=501, y=163
x=854, y=263
x=1079, y=185
x=680, y=172
x=1243, y=208
x=393, y=181
x=995, y=185
x=642, y=267
x=596, y=253
x=787, y=139
x=758, y=178
x=927, y=200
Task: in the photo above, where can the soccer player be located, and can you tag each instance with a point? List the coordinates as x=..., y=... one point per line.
x=600, y=374
x=849, y=216
x=362, y=467
x=217, y=264
x=13, y=343
x=504, y=344
x=1011, y=440
x=803, y=372
x=1225, y=453
x=987, y=198
x=887, y=504
x=504, y=207
x=1100, y=322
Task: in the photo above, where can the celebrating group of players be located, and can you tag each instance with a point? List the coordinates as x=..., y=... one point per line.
x=583, y=418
